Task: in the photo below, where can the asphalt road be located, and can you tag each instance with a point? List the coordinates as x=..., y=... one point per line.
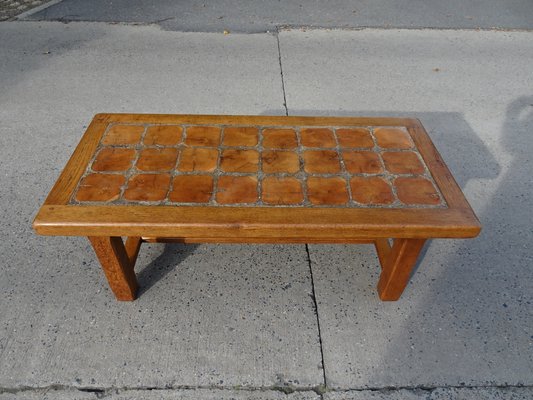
x=268, y=15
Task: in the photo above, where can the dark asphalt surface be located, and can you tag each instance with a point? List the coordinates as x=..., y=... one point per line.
x=260, y=15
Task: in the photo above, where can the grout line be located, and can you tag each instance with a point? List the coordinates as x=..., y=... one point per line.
x=282, y=78
x=317, y=317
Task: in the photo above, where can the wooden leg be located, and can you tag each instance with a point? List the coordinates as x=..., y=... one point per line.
x=133, y=245
x=383, y=249
x=397, y=265
x=117, y=264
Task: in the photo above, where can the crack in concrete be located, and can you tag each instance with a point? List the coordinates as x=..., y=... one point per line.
x=103, y=392
x=315, y=305
x=282, y=78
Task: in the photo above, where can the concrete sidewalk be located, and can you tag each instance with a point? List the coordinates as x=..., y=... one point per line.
x=222, y=321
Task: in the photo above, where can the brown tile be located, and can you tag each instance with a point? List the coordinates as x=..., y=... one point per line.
x=198, y=159
x=279, y=139
x=113, y=159
x=362, y=162
x=280, y=161
x=163, y=135
x=100, y=187
x=192, y=189
x=371, y=190
x=355, y=137
x=317, y=137
x=160, y=159
x=147, y=187
x=237, y=189
x=327, y=190
x=239, y=160
x=203, y=136
x=240, y=136
x=402, y=162
x=416, y=191
x=282, y=190
x=392, y=138
x=321, y=162
x=123, y=135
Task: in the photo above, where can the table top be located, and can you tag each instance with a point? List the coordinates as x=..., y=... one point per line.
x=183, y=175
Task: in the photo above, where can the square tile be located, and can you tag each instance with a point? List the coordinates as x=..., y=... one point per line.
x=159, y=159
x=100, y=187
x=147, y=187
x=237, y=189
x=322, y=191
x=362, y=162
x=247, y=136
x=280, y=161
x=355, y=138
x=163, y=135
x=208, y=136
x=393, y=138
x=317, y=137
x=414, y=191
x=198, y=159
x=234, y=160
x=371, y=190
x=282, y=190
x=191, y=189
x=402, y=162
x=113, y=159
x=279, y=139
x=123, y=135
x=321, y=162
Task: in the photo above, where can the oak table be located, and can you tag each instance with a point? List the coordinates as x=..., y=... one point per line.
x=256, y=179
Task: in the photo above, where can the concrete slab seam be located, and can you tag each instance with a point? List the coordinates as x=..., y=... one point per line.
x=288, y=28
x=424, y=388
x=315, y=304
x=23, y=17
x=102, y=393
x=281, y=72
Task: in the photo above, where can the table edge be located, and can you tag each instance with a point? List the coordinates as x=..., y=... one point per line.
x=170, y=221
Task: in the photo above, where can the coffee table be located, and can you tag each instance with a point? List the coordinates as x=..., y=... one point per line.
x=256, y=179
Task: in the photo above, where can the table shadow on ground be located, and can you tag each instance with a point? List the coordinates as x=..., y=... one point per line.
x=171, y=257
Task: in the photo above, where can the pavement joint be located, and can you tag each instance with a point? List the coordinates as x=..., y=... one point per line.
x=304, y=28
x=315, y=306
x=68, y=19
x=102, y=393
x=281, y=72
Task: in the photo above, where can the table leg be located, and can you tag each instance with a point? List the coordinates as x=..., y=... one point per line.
x=397, y=265
x=117, y=264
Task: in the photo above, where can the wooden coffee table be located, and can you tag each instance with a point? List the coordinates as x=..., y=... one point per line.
x=256, y=179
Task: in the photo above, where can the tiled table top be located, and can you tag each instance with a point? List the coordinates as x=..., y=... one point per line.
x=257, y=165
x=227, y=178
